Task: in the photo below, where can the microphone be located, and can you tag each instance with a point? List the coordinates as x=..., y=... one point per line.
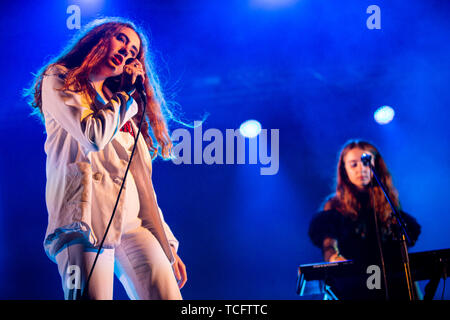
x=139, y=83
x=366, y=159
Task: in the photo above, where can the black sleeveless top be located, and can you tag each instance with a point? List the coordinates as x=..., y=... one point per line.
x=357, y=241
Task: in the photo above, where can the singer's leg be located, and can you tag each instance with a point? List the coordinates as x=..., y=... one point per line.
x=144, y=269
x=74, y=264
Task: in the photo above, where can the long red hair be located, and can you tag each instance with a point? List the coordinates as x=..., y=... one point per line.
x=345, y=199
x=81, y=57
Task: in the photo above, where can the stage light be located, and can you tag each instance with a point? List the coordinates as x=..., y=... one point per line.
x=384, y=115
x=250, y=128
x=91, y=7
x=272, y=4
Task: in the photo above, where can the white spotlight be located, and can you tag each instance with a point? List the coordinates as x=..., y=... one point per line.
x=384, y=115
x=250, y=128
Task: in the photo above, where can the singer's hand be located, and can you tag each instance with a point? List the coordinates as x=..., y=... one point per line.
x=179, y=269
x=131, y=71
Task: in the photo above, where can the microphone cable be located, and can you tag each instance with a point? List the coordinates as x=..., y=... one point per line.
x=141, y=90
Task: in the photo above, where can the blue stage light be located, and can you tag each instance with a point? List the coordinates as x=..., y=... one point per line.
x=91, y=7
x=250, y=128
x=384, y=115
x=272, y=4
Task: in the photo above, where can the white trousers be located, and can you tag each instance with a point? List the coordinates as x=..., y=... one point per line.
x=139, y=262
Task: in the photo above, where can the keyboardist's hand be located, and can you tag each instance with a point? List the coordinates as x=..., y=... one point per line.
x=336, y=257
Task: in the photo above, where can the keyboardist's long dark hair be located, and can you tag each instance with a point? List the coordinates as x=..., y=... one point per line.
x=345, y=199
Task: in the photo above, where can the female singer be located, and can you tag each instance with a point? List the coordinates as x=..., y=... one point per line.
x=345, y=228
x=87, y=98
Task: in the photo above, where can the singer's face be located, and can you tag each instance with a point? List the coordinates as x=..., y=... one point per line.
x=357, y=173
x=124, y=45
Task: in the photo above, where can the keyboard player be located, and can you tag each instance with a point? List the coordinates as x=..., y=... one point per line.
x=345, y=229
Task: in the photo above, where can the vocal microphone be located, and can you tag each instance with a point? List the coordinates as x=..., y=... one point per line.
x=139, y=83
x=366, y=159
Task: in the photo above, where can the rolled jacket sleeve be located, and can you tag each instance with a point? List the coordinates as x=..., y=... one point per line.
x=73, y=111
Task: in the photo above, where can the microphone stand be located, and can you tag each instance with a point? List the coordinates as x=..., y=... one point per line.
x=141, y=90
x=380, y=247
x=404, y=238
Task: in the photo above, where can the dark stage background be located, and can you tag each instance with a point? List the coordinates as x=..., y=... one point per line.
x=310, y=68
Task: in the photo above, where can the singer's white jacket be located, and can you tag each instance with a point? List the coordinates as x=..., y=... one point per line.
x=85, y=172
